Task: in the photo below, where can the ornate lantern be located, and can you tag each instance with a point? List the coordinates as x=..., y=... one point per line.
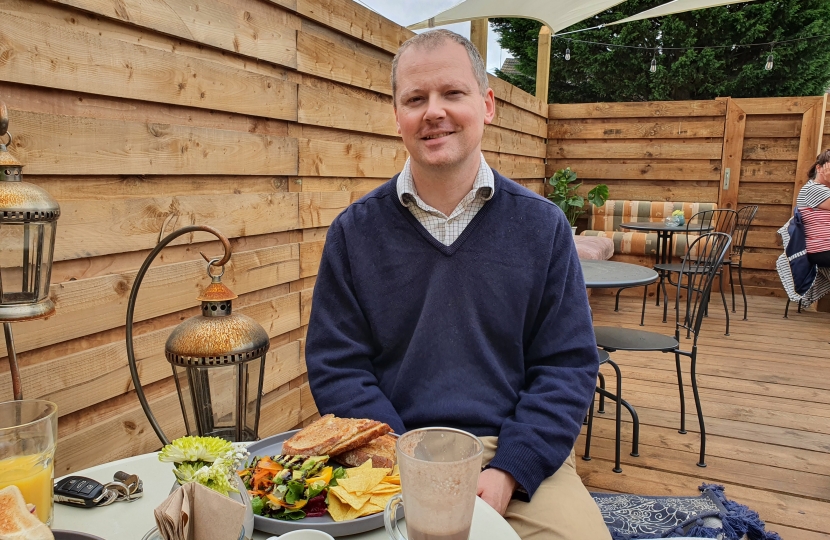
x=28, y=220
x=218, y=358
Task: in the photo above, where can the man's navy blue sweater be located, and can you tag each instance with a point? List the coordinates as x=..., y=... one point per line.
x=491, y=334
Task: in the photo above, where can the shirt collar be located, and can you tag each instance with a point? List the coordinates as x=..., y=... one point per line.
x=484, y=184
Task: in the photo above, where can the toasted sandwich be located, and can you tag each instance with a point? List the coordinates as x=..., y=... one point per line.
x=331, y=436
x=16, y=522
x=381, y=451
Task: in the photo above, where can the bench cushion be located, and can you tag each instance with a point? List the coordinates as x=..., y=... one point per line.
x=609, y=216
x=594, y=247
x=640, y=243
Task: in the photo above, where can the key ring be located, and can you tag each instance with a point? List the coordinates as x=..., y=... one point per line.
x=124, y=487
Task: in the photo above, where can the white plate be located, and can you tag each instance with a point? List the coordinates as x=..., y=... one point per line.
x=272, y=446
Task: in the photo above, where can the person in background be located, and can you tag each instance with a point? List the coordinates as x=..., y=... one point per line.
x=813, y=203
x=452, y=296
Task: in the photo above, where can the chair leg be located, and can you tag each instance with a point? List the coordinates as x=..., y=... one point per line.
x=617, y=468
x=682, y=397
x=787, y=309
x=665, y=300
x=799, y=306
x=635, y=443
x=723, y=297
x=601, y=409
x=732, y=286
x=659, y=285
x=587, y=455
x=741, y=282
x=617, y=301
x=643, y=314
x=702, y=462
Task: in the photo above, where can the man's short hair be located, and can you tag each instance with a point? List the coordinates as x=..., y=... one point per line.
x=433, y=39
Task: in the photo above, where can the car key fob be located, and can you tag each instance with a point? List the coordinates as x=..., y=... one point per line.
x=79, y=491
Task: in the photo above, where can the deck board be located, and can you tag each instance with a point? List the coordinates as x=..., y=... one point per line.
x=766, y=405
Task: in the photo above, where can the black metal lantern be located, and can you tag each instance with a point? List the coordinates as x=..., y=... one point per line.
x=218, y=358
x=28, y=220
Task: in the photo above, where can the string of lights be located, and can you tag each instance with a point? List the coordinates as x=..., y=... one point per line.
x=653, y=67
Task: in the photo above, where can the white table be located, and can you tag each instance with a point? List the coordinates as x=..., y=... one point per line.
x=130, y=521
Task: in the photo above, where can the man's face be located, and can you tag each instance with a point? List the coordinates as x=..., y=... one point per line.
x=440, y=111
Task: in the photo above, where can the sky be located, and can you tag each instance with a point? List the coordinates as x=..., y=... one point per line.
x=406, y=12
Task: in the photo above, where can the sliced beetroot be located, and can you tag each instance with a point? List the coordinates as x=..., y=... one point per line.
x=316, y=506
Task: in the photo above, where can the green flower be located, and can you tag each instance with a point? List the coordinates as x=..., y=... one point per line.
x=677, y=213
x=195, y=449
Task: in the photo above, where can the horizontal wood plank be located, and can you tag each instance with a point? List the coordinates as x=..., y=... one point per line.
x=328, y=109
x=637, y=110
x=773, y=126
x=323, y=58
x=634, y=149
x=657, y=191
x=768, y=171
x=782, y=105
x=246, y=27
x=363, y=157
x=516, y=166
x=669, y=128
x=56, y=144
x=639, y=169
x=775, y=149
x=42, y=54
x=511, y=117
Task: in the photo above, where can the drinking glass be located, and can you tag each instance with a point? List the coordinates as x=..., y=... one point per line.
x=28, y=433
x=439, y=476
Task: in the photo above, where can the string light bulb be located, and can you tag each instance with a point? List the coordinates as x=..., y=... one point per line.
x=768, y=66
x=567, y=54
x=653, y=67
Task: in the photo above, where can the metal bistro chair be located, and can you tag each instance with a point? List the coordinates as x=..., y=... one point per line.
x=721, y=220
x=605, y=358
x=697, y=273
x=745, y=217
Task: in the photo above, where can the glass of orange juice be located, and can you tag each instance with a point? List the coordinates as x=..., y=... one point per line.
x=28, y=433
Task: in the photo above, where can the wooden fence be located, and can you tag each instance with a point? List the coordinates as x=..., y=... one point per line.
x=685, y=151
x=263, y=119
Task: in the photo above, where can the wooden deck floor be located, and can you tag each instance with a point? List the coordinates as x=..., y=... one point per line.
x=765, y=392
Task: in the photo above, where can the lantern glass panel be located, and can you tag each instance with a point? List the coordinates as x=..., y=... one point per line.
x=253, y=393
x=25, y=261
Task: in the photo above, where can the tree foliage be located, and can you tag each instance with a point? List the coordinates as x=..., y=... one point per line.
x=599, y=73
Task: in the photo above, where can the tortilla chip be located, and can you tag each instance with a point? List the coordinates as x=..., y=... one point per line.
x=381, y=499
x=396, y=471
x=337, y=509
x=392, y=480
x=384, y=488
x=361, y=479
x=346, y=497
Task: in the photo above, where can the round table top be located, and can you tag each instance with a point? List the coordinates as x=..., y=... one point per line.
x=661, y=226
x=130, y=521
x=612, y=275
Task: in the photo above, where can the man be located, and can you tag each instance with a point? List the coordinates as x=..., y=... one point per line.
x=452, y=296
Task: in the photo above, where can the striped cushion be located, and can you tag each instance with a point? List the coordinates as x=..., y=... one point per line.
x=640, y=243
x=609, y=216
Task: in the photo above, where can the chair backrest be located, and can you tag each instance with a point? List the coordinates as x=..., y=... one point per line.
x=720, y=219
x=745, y=217
x=697, y=273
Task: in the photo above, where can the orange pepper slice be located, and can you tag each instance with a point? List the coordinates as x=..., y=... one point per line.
x=296, y=506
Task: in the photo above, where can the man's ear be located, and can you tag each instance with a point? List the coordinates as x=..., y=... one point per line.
x=489, y=106
x=397, y=122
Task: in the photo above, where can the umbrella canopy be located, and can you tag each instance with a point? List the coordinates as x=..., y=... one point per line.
x=677, y=6
x=557, y=14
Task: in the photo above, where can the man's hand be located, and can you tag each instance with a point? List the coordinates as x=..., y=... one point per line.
x=495, y=487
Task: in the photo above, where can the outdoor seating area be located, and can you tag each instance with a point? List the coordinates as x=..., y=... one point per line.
x=191, y=156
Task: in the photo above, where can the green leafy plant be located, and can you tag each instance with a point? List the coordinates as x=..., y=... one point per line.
x=565, y=196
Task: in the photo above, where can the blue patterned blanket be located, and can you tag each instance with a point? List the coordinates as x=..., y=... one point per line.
x=709, y=515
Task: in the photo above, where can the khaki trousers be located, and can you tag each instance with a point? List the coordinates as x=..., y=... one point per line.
x=561, y=509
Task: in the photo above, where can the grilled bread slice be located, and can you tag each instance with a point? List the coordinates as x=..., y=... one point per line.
x=16, y=522
x=331, y=435
x=381, y=451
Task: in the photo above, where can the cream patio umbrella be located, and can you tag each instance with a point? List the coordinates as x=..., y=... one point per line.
x=677, y=6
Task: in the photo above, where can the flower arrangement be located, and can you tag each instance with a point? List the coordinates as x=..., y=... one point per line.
x=676, y=219
x=210, y=461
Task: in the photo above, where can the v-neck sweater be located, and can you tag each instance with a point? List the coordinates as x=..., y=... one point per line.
x=491, y=334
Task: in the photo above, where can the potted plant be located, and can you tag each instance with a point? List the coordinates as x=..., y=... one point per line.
x=564, y=195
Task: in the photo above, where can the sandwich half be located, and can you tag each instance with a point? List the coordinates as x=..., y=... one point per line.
x=330, y=435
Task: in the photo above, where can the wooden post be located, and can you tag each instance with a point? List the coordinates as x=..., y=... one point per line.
x=543, y=64
x=733, y=145
x=812, y=128
x=478, y=35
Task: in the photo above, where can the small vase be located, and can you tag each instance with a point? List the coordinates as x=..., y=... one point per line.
x=573, y=231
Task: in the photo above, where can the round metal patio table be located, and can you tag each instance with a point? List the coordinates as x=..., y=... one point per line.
x=665, y=234
x=613, y=275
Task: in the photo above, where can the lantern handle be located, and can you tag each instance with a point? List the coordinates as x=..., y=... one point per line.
x=131, y=309
x=4, y=120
